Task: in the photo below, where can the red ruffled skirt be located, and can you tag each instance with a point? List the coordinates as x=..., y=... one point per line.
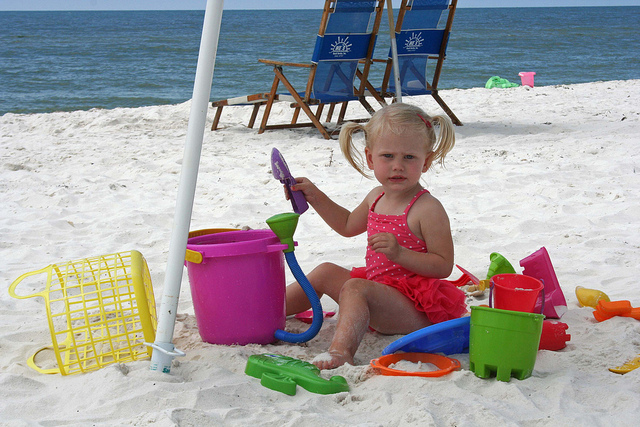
x=439, y=299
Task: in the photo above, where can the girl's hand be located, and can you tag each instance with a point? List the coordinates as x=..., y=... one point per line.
x=385, y=243
x=308, y=188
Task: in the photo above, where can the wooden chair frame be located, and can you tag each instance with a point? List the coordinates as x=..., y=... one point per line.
x=304, y=103
x=432, y=86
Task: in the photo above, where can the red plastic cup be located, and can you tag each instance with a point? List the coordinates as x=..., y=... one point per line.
x=515, y=292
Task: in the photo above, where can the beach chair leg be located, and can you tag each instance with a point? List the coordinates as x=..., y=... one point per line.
x=446, y=108
x=216, y=118
x=332, y=107
x=272, y=96
x=254, y=114
x=296, y=114
x=300, y=102
x=343, y=112
x=319, y=111
x=367, y=106
x=377, y=96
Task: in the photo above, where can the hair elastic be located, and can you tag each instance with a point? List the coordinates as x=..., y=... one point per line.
x=426, y=122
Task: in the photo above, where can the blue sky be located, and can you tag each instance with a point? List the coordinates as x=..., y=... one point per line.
x=267, y=4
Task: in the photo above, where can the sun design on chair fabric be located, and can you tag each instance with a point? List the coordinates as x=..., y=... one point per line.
x=341, y=47
x=414, y=42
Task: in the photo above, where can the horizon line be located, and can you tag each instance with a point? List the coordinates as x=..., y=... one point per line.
x=202, y=9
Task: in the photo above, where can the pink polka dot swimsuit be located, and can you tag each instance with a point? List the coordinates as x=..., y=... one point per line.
x=439, y=299
x=377, y=264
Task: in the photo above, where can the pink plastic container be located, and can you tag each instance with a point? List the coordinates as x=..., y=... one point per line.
x=527, y=78
x=515, y=292
x=538, y=265
x=238, y=289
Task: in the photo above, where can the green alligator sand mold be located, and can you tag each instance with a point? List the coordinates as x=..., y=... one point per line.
x=282, y=373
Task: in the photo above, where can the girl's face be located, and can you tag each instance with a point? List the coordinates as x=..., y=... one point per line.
x=398, y=161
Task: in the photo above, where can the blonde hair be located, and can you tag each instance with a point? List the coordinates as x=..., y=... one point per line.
x=398, y=118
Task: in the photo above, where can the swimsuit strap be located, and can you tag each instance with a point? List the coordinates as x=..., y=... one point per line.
x=373, y=205
x=406, y=211
x=420, y=193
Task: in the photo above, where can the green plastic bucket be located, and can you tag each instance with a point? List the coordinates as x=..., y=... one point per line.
x=503, y=343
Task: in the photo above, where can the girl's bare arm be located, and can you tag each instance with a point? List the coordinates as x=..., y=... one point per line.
x=344, y=222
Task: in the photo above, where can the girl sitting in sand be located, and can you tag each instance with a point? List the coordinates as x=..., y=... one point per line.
x=409, y=238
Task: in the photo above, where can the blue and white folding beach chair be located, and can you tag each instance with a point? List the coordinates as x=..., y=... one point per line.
x=346, y=38
x=422, y=34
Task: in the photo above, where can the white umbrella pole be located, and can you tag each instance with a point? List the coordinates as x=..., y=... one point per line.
x=394, y=51
x=163, y=349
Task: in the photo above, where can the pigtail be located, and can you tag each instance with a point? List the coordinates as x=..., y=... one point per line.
x=348, y=148
x=446, y=138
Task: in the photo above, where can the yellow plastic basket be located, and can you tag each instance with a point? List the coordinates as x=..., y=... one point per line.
x=101, y=310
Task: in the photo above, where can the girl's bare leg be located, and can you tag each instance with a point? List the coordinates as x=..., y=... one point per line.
x=363, y=303
x=326, y=279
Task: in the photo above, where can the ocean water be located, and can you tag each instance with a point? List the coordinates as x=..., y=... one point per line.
x=65, y=61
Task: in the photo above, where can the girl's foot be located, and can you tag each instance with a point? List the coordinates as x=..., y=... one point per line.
x=332, y=359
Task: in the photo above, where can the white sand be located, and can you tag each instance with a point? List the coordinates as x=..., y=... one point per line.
x=549, y=166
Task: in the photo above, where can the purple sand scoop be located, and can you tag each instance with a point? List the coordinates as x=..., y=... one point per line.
x=281, y=173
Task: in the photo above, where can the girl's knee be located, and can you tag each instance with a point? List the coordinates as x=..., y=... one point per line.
x=322, y=274
x=328, y=278
x=354, y=287
x=325, y=268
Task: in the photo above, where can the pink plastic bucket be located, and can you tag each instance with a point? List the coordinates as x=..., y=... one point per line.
x=238, y=289
x=515, y=292
x=527, y=78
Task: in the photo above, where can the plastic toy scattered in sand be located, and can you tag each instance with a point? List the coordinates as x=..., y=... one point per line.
x=415, y=364
x=284, y=374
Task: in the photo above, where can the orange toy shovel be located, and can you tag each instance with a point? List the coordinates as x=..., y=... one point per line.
x=607, y=309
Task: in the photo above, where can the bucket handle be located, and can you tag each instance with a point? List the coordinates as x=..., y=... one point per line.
x=193, y=256
x=31, y=361
x=491, y=295
x=197, y=257
x=278, y=247
x=12, y=288
x=543, y=297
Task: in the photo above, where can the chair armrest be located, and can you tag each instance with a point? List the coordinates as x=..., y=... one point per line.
x=289, y=64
